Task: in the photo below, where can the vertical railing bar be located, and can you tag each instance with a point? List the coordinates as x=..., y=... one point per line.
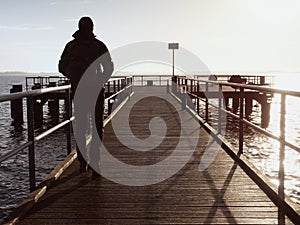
x=219, y=109
x=206, y=102
x=68, y=116
x=281, y=173
x=241, y=124
x=198, y=100
x=31, y=153
x=168, y=86
x=183, y=98
x=107, y=88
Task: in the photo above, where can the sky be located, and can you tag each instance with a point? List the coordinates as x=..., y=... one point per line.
x=229, y=36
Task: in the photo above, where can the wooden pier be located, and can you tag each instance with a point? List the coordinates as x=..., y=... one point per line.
x=222, y=194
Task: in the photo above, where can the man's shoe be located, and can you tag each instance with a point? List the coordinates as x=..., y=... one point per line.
x=83, y=167
x=95, y=176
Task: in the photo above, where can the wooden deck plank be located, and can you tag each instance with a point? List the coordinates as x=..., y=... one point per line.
x=222, y=194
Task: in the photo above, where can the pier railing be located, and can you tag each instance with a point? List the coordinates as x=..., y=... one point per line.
x=260, y=80
x=37, y=82
x=193, y=88
x=150, y=80
x=31, y=138
x=122, y=87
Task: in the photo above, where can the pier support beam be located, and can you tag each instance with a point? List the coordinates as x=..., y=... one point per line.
x=226, y=101
x=235, y=104
x=17, y=107
x=53, y=105
x=249, y=106
x=37, y=107
x=38, y=112
x=265, y=114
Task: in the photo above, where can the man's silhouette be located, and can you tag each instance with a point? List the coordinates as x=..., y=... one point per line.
x=76, y=60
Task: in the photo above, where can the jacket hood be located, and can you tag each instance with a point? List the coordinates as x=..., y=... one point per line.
x=83, y=35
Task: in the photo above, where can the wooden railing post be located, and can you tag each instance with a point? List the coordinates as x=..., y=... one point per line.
x=31, y=153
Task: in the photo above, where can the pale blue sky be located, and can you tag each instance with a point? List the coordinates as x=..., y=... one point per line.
x=227, y=35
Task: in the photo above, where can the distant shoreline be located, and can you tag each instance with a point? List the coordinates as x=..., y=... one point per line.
x=18, y=73
x=126, y=73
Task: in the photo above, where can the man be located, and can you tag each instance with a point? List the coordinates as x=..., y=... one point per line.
x=79, y=56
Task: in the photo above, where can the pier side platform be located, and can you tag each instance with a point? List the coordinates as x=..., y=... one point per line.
x=221, y=194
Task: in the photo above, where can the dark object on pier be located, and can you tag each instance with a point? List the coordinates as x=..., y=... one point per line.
x=16, y=107
x=237, y=79
x=236, y=100
x=174, y=83
x=213, y=77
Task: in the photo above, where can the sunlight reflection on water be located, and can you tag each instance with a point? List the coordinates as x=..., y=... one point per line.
x=264, y=151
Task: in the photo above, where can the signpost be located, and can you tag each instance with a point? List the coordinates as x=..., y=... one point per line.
x=173, y=46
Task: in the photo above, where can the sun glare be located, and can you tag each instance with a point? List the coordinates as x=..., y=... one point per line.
x=288, y=81
x=274, y=11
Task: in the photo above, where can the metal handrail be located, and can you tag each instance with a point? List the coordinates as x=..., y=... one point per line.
x=265, y=132
x=29, y=95
x=117, y=93
x=241, y=91
x=159, y=80
x=14, y=96
x=255, y=87
x=263, y=80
